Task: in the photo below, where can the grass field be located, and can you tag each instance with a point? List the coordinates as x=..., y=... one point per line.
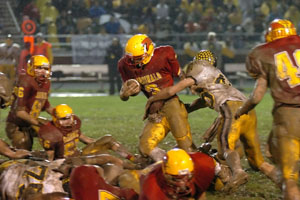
x=123, y=120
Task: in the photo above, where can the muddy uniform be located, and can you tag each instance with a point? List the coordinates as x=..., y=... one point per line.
x=279, y=63
x=62, y=140
x=154, y=76
x=154, y=185
x=87, y=184
x=32, y=98
x=216, y=92
x=17, y=177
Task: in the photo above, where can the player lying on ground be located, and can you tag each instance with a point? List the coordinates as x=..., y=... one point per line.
x=28, y=179
x=60, y=137
x=179, y=176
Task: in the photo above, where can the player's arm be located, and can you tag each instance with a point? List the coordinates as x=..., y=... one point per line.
x=172, y=90
x=100, y=159
x=256, y=96
x=49, y=110
x=8, y=152
x=22, y=114
x=85, y=139
x=195, y=105
x=168, y=92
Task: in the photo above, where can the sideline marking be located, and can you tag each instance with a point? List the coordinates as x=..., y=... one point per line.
x=72, y=94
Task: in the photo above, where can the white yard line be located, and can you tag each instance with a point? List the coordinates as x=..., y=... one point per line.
x=73, y=94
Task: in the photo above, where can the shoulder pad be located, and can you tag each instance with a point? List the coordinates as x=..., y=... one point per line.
x=196, y=67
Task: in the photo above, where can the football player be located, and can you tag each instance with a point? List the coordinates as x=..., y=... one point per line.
x=96, y=185
x=5, y=95
x=27, y=179
x=86, y=183
x=180, y=175
x=155, y=69
x=276, y=64
x=217, y=93
x=60, y=137
x=30, y=98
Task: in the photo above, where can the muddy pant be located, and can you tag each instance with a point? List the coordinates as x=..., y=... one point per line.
x=244, y=128
x=284, y=142
x=174, y=119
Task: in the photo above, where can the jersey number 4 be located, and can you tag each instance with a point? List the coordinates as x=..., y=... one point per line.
x=285, y=68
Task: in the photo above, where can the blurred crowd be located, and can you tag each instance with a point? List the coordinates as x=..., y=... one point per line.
x=155, y=16
x=234, y=24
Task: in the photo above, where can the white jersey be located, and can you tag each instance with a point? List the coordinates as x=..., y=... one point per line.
x=212, y=85
x=16, y=176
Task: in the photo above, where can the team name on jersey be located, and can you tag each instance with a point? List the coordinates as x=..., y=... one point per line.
x=42, y=95
x=150, y=78
x=71, y=136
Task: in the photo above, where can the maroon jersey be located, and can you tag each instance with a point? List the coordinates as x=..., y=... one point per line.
x=87, y=184
x=156, y=74
x=62, y=140
x=154, y=186
x=279, y=63
x=30, y=96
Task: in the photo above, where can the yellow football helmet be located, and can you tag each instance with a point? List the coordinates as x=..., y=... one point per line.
x=36, y=62
x=177, y=162
x=62, y=111
x=139, y=48
x=206, y=55
x=280, y=28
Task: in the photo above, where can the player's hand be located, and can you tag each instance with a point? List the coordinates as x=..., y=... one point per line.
x=20, y=153
x=42, y=120
x=205, y=147
x=65, y=169
x=129, y=89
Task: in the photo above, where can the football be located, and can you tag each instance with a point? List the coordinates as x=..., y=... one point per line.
x=134, y=82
